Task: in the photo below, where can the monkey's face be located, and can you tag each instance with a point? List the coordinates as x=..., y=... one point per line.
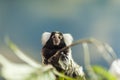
x=56, y=38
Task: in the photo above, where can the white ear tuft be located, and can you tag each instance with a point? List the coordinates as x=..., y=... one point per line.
x=68, y=38
x=45, y=37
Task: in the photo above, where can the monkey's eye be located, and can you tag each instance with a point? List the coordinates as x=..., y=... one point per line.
x=60, y=37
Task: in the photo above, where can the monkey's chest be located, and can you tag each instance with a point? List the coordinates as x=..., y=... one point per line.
x=47, y=53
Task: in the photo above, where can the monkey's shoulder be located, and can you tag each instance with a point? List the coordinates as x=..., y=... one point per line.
x=47, y=53
x=50, y=50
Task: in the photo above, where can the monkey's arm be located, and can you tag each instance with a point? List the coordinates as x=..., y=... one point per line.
x=47, y=54
x=57, y=55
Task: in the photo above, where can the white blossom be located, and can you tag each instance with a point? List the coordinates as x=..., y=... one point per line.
x=115, y=68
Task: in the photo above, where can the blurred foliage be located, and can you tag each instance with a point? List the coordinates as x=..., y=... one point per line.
x=35, y=71
x=42, y=75
x=102, y=73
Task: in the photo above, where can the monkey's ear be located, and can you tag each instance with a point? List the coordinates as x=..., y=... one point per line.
x=45, y=37
x=68, y=38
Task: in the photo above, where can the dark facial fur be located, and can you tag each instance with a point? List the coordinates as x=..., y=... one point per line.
x=56, y=41
x=49, y=48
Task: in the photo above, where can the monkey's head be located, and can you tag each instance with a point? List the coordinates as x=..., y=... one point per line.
x=56, y=39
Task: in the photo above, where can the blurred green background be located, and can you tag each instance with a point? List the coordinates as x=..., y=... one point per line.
x=24, y=22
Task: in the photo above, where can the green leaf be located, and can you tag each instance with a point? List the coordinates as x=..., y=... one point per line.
x=102, y=73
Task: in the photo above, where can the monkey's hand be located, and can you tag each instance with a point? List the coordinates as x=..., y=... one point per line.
x=55, y=58
x=57, y=55
x=52, y=59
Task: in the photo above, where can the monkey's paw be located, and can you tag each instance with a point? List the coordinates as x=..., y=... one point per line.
x=53, y=59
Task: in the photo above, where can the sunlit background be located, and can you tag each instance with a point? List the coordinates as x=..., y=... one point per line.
x=25, y=21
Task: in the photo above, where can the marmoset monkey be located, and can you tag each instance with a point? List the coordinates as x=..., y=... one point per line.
x=53, y=42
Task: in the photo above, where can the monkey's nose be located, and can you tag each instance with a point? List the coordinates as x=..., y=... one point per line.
x=56, y=40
